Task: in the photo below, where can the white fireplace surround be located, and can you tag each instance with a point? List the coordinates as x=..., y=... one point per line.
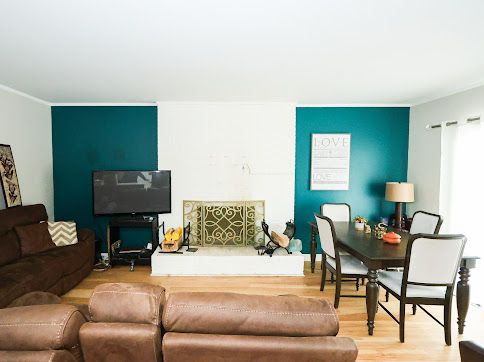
x=229, y=151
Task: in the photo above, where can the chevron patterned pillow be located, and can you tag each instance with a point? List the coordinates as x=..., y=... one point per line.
x=63, y=232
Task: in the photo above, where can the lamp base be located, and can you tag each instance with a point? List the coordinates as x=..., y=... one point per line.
x=398, y=215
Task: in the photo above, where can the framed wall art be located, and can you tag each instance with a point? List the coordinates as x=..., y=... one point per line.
x=8, y=177
x=330, y=161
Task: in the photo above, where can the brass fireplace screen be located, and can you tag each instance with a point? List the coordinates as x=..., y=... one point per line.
x=224, y=223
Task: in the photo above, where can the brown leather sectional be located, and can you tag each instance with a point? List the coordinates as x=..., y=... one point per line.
x=237, y=327
x=56, y=270
x=134, y=322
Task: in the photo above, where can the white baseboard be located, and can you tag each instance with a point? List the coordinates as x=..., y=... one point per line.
x=307, y=257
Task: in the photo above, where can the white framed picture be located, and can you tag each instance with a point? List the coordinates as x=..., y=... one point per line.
x=330, y=161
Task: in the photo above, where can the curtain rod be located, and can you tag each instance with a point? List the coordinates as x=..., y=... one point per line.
x=452, y=123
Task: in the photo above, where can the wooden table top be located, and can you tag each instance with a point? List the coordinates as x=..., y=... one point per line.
x=374, y=252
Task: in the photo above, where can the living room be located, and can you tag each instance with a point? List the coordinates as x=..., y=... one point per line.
x=204, y=176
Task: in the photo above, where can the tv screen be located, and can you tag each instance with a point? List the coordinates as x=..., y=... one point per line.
x=131, y=192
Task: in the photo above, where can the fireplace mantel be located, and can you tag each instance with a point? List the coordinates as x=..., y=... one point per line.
x=224, y=223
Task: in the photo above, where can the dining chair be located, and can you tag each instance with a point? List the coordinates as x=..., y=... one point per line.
x=338, y=212
x=424, y=222
x=424, y=282
x=342, y=266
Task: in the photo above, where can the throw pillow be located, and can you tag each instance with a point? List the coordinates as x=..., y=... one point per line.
x=34, y=238
x=63, y=232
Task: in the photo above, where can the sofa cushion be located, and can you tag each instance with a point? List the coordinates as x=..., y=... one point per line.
x=22, y=215
x=63, y=232
x=215, y=347
x=127, y=303
x=69, y=258
x=231, y=313
x=9, y=247
x=34, y=238
x=10, y=290
x=27, y=275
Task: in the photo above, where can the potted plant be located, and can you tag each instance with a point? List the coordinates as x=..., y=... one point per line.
x=360, y=223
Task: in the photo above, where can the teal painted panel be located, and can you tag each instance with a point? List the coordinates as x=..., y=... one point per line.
x=85, y=139
x=379, y=151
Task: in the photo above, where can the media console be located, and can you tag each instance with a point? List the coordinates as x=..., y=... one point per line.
x=130, y=256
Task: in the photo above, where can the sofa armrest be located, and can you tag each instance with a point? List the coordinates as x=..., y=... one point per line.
x=40, y=327
x=86, y=236
x=471, y=351
x=239, y=314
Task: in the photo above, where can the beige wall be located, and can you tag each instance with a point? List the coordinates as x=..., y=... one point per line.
x=424, y=151
x=25, y=125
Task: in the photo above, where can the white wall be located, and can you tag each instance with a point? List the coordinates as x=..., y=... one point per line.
x=229, y=151
x=25, y=125
x=424, y=152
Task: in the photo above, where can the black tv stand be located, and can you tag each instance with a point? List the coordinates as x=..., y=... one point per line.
x=132, y=217
x=133, y=221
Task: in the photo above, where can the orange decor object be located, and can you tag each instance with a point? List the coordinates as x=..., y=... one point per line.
x=392, y=238
x=173, y=240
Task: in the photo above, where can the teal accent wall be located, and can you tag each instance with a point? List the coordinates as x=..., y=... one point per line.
x=379, y=151
x=85, y=139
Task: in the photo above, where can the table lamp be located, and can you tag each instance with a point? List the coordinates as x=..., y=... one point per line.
x=399, y=192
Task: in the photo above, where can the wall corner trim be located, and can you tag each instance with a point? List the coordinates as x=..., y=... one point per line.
x=25, y=95
x=355, y=105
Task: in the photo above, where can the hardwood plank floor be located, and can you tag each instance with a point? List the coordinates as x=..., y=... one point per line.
x=424, y=339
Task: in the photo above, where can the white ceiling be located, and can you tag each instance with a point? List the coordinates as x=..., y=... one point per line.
x=327, y=51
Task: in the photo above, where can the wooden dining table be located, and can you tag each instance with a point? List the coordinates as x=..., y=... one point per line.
x=376, y=255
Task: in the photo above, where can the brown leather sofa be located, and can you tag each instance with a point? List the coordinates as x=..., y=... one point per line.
x=125, y=323
x=40, y=333
x=133, y=322
x=56, y=270
x=237, y=327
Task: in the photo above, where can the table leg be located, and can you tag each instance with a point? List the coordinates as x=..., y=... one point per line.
x=313, y=249
x=372, y=292
x=462, y=297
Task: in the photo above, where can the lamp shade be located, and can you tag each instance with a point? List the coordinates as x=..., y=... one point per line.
x=399, y=192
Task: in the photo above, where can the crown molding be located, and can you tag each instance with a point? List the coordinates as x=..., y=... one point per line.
x=354, y=105
x=449, y=93
x=102, y=104
x=25, y=95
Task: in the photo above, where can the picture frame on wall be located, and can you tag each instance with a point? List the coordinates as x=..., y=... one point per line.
x=330, y=161
x=8, y=177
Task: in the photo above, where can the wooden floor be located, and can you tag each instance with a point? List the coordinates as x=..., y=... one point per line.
x=424, y=337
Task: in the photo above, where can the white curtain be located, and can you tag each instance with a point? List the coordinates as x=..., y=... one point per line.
x=462, y=193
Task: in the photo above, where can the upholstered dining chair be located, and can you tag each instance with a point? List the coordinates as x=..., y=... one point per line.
x=424, y=222
x=336, y=212
x=423, y=282
x=342, y=266
x=339, y=212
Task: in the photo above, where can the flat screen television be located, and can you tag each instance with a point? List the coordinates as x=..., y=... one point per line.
x=131, y=192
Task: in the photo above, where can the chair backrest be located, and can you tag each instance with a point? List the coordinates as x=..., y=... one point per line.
x=326, y=234
x=336, y=212
x=433, y=259
x=425, y=223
